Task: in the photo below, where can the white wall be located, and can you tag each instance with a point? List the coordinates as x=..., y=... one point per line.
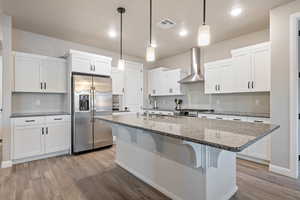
x=44, y=45
x=279, y=36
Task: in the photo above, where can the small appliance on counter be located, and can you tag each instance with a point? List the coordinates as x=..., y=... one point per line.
x=117, y=102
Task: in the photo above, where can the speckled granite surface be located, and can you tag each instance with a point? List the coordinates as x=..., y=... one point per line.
x=20, y=115
x=232, y=136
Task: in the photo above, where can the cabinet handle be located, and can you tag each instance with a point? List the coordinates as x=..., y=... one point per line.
x=123, y=90
x=57, y=119
x=91, y=67
x=216, y=88
x=47, y=131
x=219, y=118
x=41, y=85
x=237, y=119
x=252, y=84
x=153, y=91
x=248, y=84
x=45, y=85
x=170, y=90
x=219, y=87
x=42, y=131
x=29, y=121
x=94, y=68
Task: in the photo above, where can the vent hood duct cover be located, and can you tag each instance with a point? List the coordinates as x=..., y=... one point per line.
x=196, y=73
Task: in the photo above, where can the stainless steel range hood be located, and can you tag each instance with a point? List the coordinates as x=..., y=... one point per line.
x=197, y=74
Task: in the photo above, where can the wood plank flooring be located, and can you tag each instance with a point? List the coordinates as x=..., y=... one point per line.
x=95, y=176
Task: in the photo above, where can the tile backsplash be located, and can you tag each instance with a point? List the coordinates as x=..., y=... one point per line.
x=195, y=98
x=38, y=102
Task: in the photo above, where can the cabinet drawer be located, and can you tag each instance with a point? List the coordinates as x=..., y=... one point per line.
x=29, y=121
x=58, y=118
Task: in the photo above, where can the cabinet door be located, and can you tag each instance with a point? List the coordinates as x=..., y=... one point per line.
x=28, y=141
x=155, y=82
x=171, y=82
x=117, y=81
x=57, y=137
x=211, y=80
x=227, y=79
x=261, y=70
x=133, y=86
x=27, y=74
x=102, y=67
x=54, y=75
x=82, y=64
x=242, y=65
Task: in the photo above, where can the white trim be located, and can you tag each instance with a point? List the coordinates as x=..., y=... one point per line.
x=281, y=170
x=293, y=97
x=6, y=164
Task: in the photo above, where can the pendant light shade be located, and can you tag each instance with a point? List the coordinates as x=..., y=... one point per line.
x=150, y=54
x=150, y=51
x=204, y=30
x=121, y=63
x=204, y=35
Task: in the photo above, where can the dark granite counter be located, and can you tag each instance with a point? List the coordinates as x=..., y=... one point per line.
x=232, y=136
x=20, y=115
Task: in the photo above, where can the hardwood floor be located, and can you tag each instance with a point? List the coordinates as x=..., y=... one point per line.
x=95, y=176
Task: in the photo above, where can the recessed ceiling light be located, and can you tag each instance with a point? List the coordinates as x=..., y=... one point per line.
x=236, y=11
x=112, y=33
x=183, y=32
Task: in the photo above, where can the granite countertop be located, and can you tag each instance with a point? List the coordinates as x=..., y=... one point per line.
x=242, y=114
x=232, y=136
x=160, y=109
x=19, y=115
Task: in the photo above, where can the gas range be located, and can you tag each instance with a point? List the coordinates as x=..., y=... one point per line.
x=192, y=112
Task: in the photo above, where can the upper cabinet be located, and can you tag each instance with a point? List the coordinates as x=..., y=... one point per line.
x=117, y=77
x=34, y=73
x=164, y=82
x=248, y=71
x=87, y=63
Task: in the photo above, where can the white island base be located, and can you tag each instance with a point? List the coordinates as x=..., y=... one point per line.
x=179, y=169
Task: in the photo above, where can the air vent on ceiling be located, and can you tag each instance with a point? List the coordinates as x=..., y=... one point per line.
x=166, y=24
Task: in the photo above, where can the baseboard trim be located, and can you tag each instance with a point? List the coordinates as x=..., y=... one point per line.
x=256, y=160
x=6, y=164
x=281, y=170
x=149, y=182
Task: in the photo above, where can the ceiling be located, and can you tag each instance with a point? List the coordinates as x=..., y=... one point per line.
x=88, y=21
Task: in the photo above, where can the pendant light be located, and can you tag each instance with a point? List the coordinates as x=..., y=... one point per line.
x=150, y=52
x=204, y=30
x=121, y=63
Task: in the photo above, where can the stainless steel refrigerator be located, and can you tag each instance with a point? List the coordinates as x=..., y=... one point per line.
x=91, y=96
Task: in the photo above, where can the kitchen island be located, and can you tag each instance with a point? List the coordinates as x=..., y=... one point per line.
x=184, y=158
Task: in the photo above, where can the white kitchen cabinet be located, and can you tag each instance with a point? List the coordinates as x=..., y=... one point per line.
x=118, y=81
x=253, y=68
x=133, y=86
x=35, y=137
x=28, y=141
x=53, y=75
x=88, y=63
x=27, y=73
x=164, y=82
x=34, y=73
x=57, y=137
x=219, y=77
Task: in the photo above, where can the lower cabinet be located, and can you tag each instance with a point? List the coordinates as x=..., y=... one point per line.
x=34, y=137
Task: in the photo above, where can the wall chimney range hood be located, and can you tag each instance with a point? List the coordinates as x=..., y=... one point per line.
x=197, y=74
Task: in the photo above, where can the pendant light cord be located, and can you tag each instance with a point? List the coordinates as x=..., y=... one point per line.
x=150, y=22
x=121, y=36
x=204, y=12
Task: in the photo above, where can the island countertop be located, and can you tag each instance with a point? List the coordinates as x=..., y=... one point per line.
x=232, y=136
